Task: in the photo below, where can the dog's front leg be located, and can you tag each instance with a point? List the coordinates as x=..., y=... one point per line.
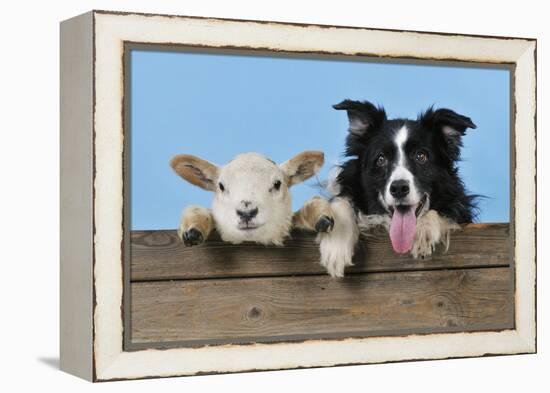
x=316, y=215
x=432, y=229
x=195, y=226
x=338, y=246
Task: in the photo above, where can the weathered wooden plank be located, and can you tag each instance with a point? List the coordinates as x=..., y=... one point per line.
x=287, y=308
x=160, y=255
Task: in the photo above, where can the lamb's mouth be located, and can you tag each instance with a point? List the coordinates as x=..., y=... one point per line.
x=418, y=208
x=248, y=226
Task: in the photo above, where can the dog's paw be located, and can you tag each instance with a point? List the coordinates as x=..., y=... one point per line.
x=423, y=247
x=432, y=229
x=338, y=245
x=191, y=237
x=336, y=264
x=324, y=224
x=426, y=239
x=337, y=248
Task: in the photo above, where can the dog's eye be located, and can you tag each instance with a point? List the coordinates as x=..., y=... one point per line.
x=421, y=156
x=222, y=187
x=277, y=185
x=381, y=160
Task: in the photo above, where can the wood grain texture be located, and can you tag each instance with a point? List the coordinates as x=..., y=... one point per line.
x=160, y=255
x=291, y=308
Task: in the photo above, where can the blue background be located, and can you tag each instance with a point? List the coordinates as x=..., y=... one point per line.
x=216, y=106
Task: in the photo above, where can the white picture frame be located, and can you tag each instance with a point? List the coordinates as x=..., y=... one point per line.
x=92, y=193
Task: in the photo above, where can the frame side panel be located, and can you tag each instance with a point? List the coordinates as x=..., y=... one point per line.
x=76, y=192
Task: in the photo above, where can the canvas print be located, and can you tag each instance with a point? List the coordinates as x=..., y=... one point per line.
x=282, y=197
x=249, y=195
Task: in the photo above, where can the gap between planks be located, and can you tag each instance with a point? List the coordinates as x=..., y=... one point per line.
x=348, y=274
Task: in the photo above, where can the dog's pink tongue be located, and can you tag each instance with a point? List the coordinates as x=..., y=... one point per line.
x=402, y=230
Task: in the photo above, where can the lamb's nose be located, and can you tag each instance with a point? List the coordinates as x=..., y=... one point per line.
x=247, y=215
x=399, y=188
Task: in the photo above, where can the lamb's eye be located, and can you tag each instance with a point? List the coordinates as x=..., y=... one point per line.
x=222, y=188
x=381, y=160
x=277, y=185
x=421, y=156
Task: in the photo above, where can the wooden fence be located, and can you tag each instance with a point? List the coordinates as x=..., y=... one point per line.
x=220, y=293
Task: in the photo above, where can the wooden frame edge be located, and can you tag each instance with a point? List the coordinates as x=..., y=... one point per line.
x=76, y=196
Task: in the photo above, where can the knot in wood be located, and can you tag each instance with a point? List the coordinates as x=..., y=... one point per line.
x=254, y=313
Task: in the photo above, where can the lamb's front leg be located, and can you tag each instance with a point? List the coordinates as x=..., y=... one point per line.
x=316, y=215
x=432, y=229
x=196, y=225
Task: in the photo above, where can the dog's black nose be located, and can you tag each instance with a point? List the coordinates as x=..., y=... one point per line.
x=399, y=188
x=248, y=214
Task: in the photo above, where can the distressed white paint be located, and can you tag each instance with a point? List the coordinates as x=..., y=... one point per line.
x=112, y=30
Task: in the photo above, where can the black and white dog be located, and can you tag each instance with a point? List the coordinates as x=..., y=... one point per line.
x=401, y=174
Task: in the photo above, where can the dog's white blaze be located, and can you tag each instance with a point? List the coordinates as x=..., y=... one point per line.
x=401, y=172
x=400, y=140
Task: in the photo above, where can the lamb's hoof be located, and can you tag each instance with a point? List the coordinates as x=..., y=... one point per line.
x=192, y=237
x=324, y=224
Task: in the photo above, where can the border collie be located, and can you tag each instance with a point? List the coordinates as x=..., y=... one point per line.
x=401, y=174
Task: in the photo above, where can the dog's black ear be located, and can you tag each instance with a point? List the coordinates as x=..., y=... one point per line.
x=362, y=115
x=450, y=124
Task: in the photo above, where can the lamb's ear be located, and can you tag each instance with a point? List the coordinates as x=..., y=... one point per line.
x=303, y=166
x=196, y=171
x=362, y=115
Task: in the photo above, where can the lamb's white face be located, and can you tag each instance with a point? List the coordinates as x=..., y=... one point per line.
x=252, y=201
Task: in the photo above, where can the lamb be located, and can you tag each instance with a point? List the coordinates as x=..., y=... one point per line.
x=252, y=202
